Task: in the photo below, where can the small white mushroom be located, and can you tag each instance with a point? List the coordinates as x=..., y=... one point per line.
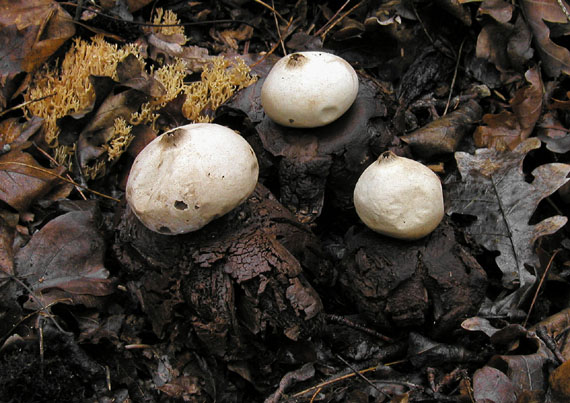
x=309, y=89
x=189, y=176
x=399, y=197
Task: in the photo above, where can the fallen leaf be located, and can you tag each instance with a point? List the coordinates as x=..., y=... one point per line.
x=494, y=191
x=527, y=102
x=30, y=32
x=560, y=381
x=507, y=129
x=64, y=261
x=23, y=180
x=555, y=58
x=557, y=326
x=524, y=371
x=443, y=135
x=553, y=133
x=492, y=386
x=6, y=250
x=499, y=10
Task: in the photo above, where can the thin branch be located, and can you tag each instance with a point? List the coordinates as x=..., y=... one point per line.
x=48, y=172
x=454, y=77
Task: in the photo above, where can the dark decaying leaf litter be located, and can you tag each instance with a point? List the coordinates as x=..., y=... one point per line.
x=288, y=297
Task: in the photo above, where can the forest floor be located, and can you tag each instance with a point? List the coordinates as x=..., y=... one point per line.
x=289, y=297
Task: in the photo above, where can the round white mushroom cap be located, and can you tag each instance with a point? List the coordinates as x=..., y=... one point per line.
x=399, y=197
x=309, y=89
x=189, y=176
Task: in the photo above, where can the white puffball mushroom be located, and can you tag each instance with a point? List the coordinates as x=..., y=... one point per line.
x=309, y=89
x=189, y=176
x=399, y=197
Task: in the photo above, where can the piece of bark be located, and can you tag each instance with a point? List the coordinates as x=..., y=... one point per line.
x=433, y=281
x=238, y=277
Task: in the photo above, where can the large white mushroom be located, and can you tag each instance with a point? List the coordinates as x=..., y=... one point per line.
x=309, y=89
x=189, y=176
x=399, y=197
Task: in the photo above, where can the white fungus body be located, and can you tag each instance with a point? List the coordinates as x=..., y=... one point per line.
x=309, y=89
x=399, y=197
x=189, y=176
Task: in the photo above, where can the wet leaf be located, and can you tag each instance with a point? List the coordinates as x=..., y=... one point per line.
x=492, y=386
x=64, y=261
x=494, y=191
x=23, y=180
x=539, y=15
x=443, y=135
x=553, y=133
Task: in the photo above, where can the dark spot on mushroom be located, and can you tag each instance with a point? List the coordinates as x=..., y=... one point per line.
x=196, y=206
x=291, y=120
x=180, y=205
x=296, y=60
x=164, y=230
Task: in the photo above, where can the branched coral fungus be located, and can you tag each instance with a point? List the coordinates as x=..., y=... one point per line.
x=58, y=92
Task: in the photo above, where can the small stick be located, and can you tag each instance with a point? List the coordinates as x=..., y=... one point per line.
x=343, y=321
x=539, y=286
x=454, y=77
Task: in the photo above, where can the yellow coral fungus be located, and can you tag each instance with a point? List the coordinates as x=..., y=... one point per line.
x=121, y=139
x=68, y=88
x=218, y=83
x=172, y=23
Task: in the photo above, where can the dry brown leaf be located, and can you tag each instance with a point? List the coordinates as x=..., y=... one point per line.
x=64, y=261
x=560, y=381
x=509, y=129
x=555, y=58
x=499, y=10
x=30, y=32
x=6, y=251
x=23, y=180
x=527, y=102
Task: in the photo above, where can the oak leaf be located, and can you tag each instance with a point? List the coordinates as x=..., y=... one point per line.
x=494, y=191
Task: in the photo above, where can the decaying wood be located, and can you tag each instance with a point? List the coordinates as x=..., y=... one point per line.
x=241, y=275
x=433, y=282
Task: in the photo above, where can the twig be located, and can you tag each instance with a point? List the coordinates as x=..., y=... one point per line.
x=43, y=308
x=343, y=321
x=48, y=172
x=331, y=381
x=53, y=161
x=365, y=379
x=454, y=77
x=542, y=333
x=331, y=19
x=323, y=36
x=272, y=9
x=278, y=30
x=273, y=49
x=422, y=24
x=539, y=286
x=5, y=111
